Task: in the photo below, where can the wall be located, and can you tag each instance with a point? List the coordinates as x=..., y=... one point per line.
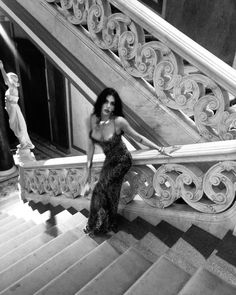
x=80, y=108
x=211, y=23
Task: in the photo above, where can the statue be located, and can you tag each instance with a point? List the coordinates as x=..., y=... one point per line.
x=16, y=118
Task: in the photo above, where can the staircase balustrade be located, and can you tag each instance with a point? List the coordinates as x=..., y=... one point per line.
x=185, y=76
x=202, y=175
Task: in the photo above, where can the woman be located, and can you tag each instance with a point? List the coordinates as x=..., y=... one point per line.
x=16, y=119
x=106, y=125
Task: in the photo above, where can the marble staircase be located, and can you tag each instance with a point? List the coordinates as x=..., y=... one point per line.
x=43, y=250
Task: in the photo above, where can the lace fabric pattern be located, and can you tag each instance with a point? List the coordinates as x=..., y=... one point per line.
x=106, y=193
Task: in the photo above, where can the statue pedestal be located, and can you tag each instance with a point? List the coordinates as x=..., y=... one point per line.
x=7, y=174
x=24, y=156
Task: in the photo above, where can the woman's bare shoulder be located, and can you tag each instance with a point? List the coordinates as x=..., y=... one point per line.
x=120, y=121
x=92, y=120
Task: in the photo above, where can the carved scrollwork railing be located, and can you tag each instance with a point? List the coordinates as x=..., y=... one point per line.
x=203, y=176
x=201, y=97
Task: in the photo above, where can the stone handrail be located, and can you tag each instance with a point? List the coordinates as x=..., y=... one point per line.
x=203, y=175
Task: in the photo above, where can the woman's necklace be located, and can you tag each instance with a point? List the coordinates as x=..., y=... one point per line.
x=104, y=122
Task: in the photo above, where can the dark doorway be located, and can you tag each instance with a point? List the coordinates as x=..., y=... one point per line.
x=57, y=107
x=43, y=87
x=33, y=83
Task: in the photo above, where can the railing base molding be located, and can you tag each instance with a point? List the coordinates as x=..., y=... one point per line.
x=182, y=217
x=178, y=215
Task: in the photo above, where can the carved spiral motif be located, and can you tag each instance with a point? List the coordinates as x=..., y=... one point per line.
x=66, y=4
x=190, y=183
x=115, y=26
x=148, y=56
x=165, y=187
x=141, y=184
x=166, y=76
x=80, y=12
x=172, y=181
x=52, y=185
x=227, y=126
x=28, y=180
x=128, y=189
x=73, y=182
x=97, y=20
x=219, y=186
x=130, y=43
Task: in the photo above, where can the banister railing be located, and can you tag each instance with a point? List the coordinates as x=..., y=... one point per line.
x=200, y=90
x=203, y=175
x=184, y=46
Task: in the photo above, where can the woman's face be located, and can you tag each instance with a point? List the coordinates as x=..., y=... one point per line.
x=109, y=106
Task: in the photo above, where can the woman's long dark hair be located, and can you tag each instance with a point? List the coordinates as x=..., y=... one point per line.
x=101, y=99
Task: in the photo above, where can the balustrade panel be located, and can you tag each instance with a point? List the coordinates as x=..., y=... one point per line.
x=160, y=181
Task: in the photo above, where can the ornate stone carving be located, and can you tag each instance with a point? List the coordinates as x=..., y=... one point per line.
x=197, y=95
x=210, y=191
x=69, y=182
x=164, y=183
x=219, y=187
x=97, y=20
x=227, y=125
x=128, y=189
x=142, y=184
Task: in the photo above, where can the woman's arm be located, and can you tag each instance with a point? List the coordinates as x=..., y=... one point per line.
x=125, y=126
x=4, y=75
x=90, y=150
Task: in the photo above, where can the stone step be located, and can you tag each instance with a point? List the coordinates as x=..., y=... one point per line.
x=13, y=200
x=226, y=249
x=164, y=231
x=162, y=275
x=7, y=219
x=36, y=258
x=24, y=210
x=3, y=215
x=79, y=274
x=149, y=246
x=201, y=240
x=190, y=253
x=17, y=230
x=76, y=220
x=16, y=241
x=118, y=276
x=221, y=268
x=10, y=199
x=26, y=248
x=205, y=282
x=53, y=267
x=13, y=226
x=63, y=222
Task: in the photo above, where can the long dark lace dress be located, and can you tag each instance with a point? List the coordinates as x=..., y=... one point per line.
x=106, y=193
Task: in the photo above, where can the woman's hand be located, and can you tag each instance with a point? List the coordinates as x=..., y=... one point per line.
x=86, y=189
x=87, y=177
x=167, y=151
